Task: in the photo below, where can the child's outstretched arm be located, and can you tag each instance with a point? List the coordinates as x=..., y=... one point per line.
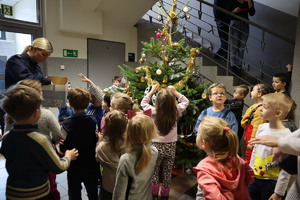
x=92, y=87
x=183, y=101
x=145, y=101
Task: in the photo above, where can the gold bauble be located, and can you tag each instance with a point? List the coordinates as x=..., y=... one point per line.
x=142, y=79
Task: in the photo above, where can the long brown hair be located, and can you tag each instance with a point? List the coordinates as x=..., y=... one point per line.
x=166, y=111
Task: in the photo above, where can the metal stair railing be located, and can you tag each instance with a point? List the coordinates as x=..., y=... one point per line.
x=201, y=28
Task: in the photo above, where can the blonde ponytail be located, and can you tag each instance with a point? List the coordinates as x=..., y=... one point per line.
x=144, y=159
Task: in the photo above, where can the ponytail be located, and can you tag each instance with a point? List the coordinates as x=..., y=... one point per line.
x=222, y=140
x=144, y=159
x=27, y=48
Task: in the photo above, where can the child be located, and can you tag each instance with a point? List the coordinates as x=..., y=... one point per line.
x=110, y=151
x=136, y=166
x=274, y=109
x=121, y=102
x=217, y=95
x=252, y=117
x=281, y=81
x=95, y=109
x=106, y=108
x=288, y=144
x=222, y=174
x=279, y=190
x=48, y=125
x=80, y=131
x=236, y=105
x=165, y=115
x=116, y=85
x=29, y=154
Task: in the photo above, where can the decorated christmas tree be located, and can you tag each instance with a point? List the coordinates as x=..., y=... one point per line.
x=168, y=61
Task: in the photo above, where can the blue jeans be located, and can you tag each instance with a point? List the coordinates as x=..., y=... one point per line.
x=239, y=33
x=261, y=189
x=89, y=179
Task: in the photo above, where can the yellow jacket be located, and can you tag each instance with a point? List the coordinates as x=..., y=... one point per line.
x=256, y=121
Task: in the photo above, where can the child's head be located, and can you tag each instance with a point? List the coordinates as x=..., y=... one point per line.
x=114, y=128
x=79, y=98
x=276, y=106
x=35, y=84
x=140, y=131
x=21, y=103
x=94, y=100
x=106, y=102
x=116, y=81
x=122, y=102
x=259, y=90
x=240, y=91
x=216, y=138
x=217, y=93
x=166, y=111
x=280, y=81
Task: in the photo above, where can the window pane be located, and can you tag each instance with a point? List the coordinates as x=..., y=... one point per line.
x=11, y=44
x=25, y=10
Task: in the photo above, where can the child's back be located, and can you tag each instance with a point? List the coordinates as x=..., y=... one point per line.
x=140, y=183
x=222, y=174
x=81, y=134
x=136, y=167
x=29, y=154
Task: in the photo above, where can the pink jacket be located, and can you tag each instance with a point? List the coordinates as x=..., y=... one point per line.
x=172, y=135
x=218, y=183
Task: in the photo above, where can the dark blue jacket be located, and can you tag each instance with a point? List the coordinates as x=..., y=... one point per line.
x=20, y=67
x=81, y=134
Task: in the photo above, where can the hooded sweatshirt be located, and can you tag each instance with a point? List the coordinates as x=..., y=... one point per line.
x=109, y=160
x=216, y=182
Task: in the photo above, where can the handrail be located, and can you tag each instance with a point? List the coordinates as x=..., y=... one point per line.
x=201, y=29
x=250, y=22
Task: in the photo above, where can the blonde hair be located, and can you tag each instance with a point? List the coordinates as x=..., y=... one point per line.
x=222, y=140
x=114, y=128
x=279, y=101
x=242, y=89
x=215, y=85
x=122, y=102
x=79, y=98
x=35, y=84
x=140, y=131
x=166, y=111
x=40, y=43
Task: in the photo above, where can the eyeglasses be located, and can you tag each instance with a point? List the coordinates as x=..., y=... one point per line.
x=218, y=94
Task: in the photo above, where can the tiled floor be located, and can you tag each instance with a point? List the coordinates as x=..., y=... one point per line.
x=182, y=186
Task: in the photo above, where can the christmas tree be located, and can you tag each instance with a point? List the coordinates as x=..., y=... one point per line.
x=169, y=62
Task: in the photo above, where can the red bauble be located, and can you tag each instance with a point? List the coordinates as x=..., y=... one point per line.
x=158, y=34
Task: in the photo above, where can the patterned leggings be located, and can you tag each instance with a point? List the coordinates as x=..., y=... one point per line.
x=164, y=163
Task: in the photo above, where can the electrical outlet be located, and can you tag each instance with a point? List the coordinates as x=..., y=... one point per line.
x=62, y=67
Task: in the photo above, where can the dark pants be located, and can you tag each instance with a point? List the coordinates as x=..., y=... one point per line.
x=88, y=178
x=223, y=30
x=105, y=195
x=261, y=189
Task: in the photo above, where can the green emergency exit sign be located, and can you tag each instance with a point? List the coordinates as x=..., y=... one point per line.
x=6, y=10
x=70, y=53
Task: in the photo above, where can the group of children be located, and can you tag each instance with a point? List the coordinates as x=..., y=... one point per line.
x=136, y=149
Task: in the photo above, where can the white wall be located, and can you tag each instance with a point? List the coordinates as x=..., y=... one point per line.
x=288, y=6
x=67, y=35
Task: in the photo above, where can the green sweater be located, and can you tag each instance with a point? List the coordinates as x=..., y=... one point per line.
x=29, y=157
